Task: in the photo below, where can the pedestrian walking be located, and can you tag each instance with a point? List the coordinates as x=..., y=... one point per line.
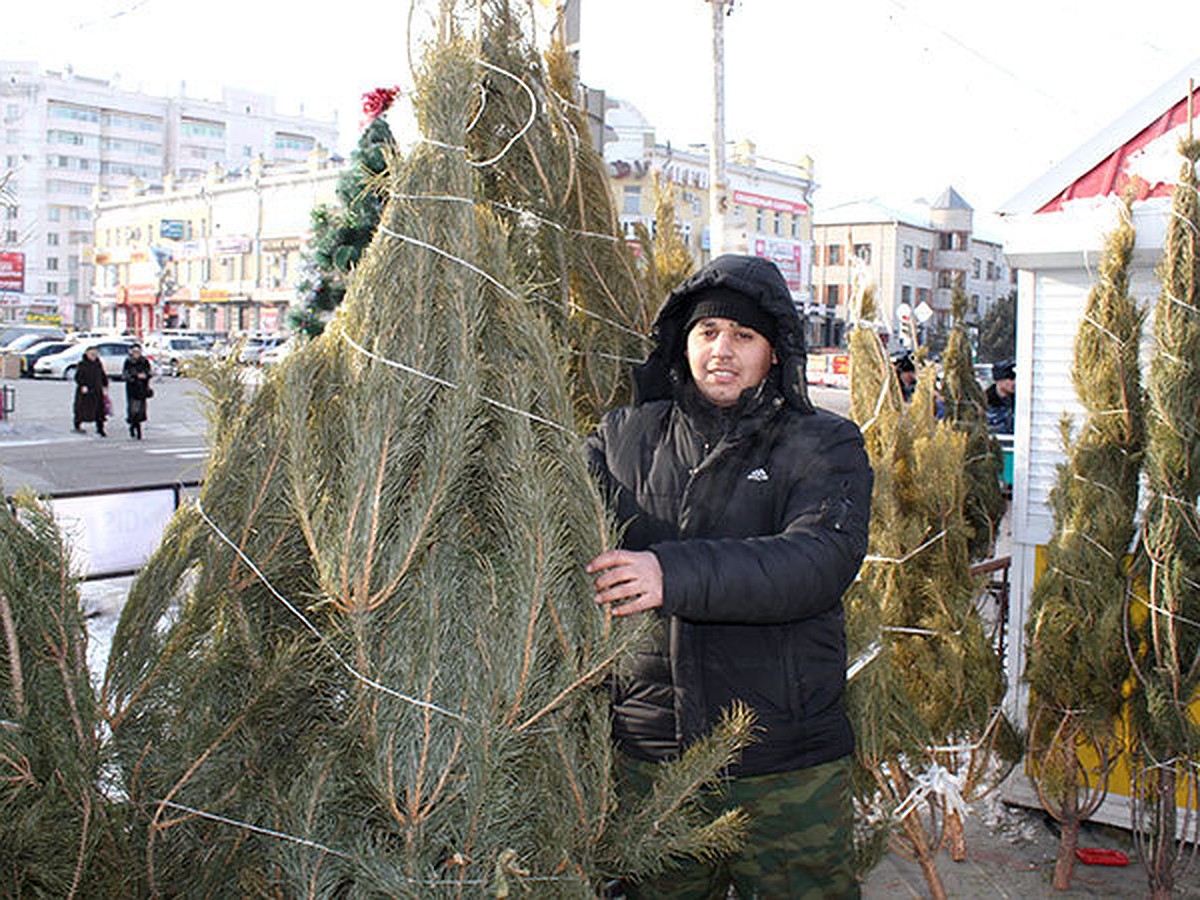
x=136, y=372
x=91, y=391
x=745, y=514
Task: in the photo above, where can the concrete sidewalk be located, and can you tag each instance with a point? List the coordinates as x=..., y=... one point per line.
x=1011, y=853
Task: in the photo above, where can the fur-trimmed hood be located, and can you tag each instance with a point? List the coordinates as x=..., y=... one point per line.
x=665, y=369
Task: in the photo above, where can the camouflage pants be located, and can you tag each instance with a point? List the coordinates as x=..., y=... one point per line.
x=800, y=842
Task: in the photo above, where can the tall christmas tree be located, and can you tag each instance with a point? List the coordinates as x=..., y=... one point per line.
x=367, y=661
x=966, y=408
x=927, y=683
x=1165, y=639
x=341, y=233
x=1076, y=651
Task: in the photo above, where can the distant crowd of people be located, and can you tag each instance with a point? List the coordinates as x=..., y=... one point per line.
x=1000, y=394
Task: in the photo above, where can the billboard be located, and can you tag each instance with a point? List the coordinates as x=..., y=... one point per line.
x=790, y=256
x=12, y=272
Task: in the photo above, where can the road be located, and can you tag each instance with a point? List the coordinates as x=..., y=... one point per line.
x=39, y=451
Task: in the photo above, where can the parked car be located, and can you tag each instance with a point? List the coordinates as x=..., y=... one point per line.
x=63, y=364
x=279, y=352
x=31, y=355
x=253, y=346
x=10, y=333
x=173, y=351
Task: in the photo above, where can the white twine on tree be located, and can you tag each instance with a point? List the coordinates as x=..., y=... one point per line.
x=1169, y=614
x=864, y=659
x=257, y=829
x=450, y=384
x=910, y=554
x=938, y=780
x=508, y=207
x=533, y=105
x=369, y=682
x=507, y=291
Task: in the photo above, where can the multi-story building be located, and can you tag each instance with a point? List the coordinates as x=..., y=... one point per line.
x=222, y=253
x=770, y=207
x=67, y=137
x=914, y=259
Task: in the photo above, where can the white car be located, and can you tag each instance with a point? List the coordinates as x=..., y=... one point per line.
x=173, y=351
x=278, y=353
x=255, y=345
x=63, y=364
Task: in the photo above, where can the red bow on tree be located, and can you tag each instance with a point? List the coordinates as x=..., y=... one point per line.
x=378, y=101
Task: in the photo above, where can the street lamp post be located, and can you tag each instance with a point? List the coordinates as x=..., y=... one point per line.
x=718, y=200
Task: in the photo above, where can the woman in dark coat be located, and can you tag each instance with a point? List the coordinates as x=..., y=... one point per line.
x=136, y=373
x=90, y=386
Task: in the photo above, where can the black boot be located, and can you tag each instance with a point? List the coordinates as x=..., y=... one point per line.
x=138, y=428
x=100, y=429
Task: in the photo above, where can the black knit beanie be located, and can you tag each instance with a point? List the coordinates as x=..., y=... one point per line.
x=724, y=303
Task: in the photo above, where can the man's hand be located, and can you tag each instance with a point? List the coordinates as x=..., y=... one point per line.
x=630, y=580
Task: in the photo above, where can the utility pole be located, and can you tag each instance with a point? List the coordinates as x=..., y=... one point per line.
x=718, y=201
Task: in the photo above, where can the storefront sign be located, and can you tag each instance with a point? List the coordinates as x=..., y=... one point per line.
x=137, y=294
x=213, y=295
x=12, y=272
x=789, y=256
x=230, y=246
x=280, y=245
x=171, y=229
x=772, y=203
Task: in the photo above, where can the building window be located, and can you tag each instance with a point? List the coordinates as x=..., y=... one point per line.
x=778, y=223
x=196, y=128
x=294, y=142
x=923, y=259
x=906, y=293
x=54, y=213
x=795, y=225
x=52, y=288
x=833, y=255
x=976, y=267
x=831, y=294
x=632, y=205
x=759, y=220
x=863, y=252
x=922, y=295
x=10, y=236
x=991, y=271
x=906, y=255
x=52, y=239
x=945, y=279
x=52, y=263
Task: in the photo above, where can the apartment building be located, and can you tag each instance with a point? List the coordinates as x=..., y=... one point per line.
x=67, y=138
x=914, y=258
x=770, y=211
x=220, y=253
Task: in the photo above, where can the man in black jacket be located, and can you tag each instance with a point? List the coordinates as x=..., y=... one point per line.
x=745, y=513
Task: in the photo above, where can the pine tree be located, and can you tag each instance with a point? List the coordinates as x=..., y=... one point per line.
x=966, y=409
x=374, y=635
x=1076, y=654
x=341, y=233
x=55, y=834
x=925, y=697
x=1166, y=655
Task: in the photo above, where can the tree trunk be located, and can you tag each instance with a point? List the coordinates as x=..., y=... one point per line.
x=956, y=837
x=925, y=855
x=1161, y=865
x=1065, y=866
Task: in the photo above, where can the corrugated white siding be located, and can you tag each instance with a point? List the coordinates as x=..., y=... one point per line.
x=1060, y=296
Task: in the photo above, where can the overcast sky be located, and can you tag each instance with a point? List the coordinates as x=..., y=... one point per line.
x=892, y=98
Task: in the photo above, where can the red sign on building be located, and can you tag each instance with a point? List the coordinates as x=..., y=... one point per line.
x=12, y=272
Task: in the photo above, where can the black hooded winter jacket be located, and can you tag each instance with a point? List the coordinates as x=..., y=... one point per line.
x=758, y=516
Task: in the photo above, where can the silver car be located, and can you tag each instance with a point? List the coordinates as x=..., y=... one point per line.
x=63, y=364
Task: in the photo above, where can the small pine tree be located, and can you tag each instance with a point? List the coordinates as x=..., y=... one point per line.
x=926, y=706
x=998, y=330
x=1076, y=655
x=341, y=233
x=1165, y=639
x=966, y=409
